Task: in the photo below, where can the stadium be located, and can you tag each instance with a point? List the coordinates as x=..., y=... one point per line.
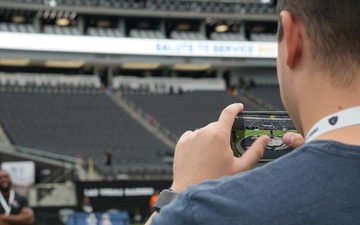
x=94, y=94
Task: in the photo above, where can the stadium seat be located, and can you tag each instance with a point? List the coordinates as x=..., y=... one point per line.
x=104, y=32
x=148, y=34
x=227, y=37
x=187, y=35
x=50, y=29
x=268, y=93
x=20, y=28
x=180, y=113
x=77, y=123
x=264, y=37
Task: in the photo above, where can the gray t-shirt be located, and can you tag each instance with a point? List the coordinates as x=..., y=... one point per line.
x=318, y=183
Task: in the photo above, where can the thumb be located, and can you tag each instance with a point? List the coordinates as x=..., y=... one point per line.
x=253, y=154
x=294, y=140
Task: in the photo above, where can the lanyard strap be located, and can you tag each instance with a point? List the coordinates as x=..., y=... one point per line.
x=344, y=118
x=5, y=205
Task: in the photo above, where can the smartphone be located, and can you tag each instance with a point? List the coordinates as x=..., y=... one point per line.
x=248, y=126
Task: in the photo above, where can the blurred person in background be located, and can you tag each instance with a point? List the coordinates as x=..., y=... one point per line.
x=14, y=209
x=153, y=199
x=86, y=205
x=107, y=157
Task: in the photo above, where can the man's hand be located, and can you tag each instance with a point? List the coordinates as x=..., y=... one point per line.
x=2, y=222
x=206, y=154
x=294, y=140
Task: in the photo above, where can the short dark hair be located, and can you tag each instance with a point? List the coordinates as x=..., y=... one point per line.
x=333, y=29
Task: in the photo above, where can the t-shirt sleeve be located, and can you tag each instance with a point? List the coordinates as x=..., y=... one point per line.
x=178, y=212
x=23, y=202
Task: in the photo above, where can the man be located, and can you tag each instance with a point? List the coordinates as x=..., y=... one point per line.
x=318, y=183
x=14, y=209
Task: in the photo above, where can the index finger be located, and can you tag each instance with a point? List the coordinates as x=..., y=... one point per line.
x=227, y=116
x=253, y=154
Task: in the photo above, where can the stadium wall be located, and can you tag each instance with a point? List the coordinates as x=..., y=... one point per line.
x=106, y=197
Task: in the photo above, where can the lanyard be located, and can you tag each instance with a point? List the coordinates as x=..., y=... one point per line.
x=5, y=205
x=344, y=118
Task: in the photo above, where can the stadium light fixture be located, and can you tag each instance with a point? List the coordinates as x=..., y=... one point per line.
x=191, y=67
x=14, y=62
x=221, y=28
x=62, y=22
x=64, y=63
x=183, y=27
x=140, y=66
x=103, y=23
x=18, y=19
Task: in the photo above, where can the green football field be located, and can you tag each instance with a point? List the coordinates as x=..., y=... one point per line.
x=266, y=132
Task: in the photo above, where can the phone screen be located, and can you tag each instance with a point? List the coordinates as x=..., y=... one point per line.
x=248, y=126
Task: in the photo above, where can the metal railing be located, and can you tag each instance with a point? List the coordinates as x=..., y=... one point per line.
x=41, y=195
x=66, y=164
x=148, y=118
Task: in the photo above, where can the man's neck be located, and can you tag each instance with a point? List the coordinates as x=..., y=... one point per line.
x=5, y=193
x=324, y=100
x=346, y=135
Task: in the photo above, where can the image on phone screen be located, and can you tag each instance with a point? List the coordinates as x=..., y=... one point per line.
x=248, y=126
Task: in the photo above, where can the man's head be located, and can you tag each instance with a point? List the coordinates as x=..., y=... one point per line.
x=317, y=38
x=333, y=30
x=5, y=181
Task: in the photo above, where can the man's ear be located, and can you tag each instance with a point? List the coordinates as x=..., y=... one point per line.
x=292, y=31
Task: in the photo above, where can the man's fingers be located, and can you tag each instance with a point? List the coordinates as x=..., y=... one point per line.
x=186, y=134
x=294, y=140
x=211, y=124
x=227, y=116
x=253, y=154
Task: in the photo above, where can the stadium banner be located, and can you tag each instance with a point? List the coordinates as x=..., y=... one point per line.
x=130, y=196
x=22, y=174
x=134, y=46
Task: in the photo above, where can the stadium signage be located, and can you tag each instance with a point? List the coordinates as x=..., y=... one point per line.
x=131, y=196
x=209, y=47
x=118, y=192
x=133, y=46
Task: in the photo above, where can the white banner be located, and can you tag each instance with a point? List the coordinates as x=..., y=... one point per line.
x=133, y=46
x=22, y=173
